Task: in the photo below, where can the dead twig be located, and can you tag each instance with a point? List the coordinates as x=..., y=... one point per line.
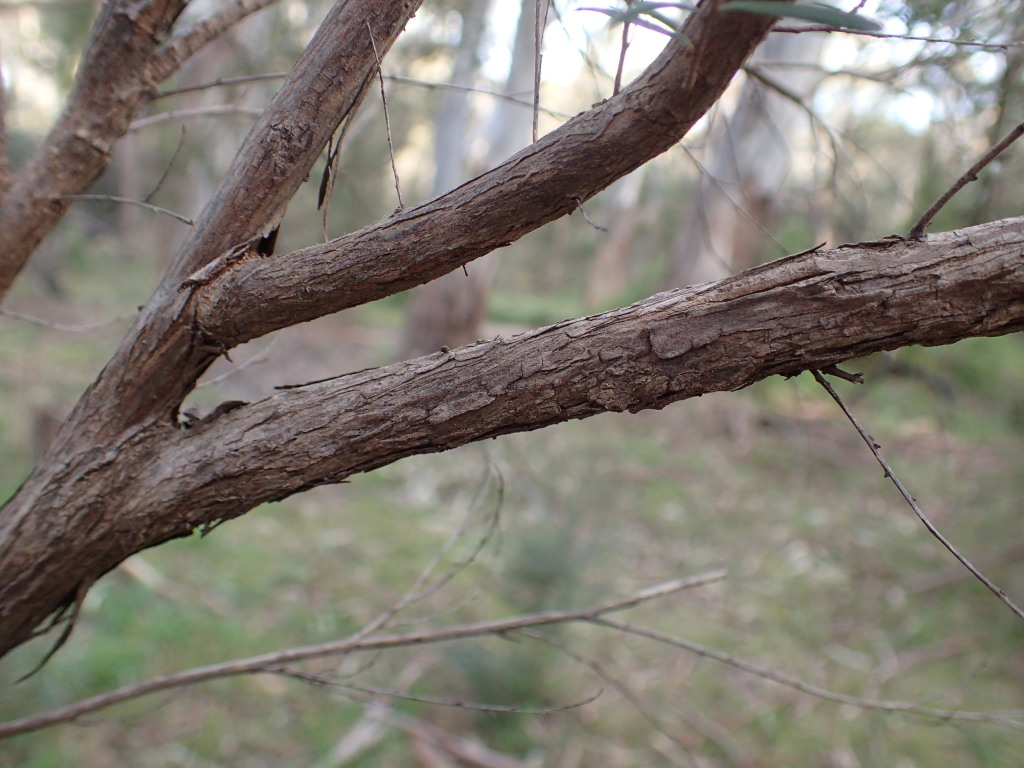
x=875, y=450
x=799, y=685
x=219, y=109
x=64, y=327
x=270, y=663
x=917, y=231
x=129, y=201
x=387, y=120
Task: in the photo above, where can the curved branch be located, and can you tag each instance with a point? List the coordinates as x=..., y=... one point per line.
x=547, y=180
x=801, y=312
x=805, y=311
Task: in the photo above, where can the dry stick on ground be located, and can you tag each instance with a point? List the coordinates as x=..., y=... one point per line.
x=791, y=682
x=272, y=662
x=874, y=448
x=918, y=229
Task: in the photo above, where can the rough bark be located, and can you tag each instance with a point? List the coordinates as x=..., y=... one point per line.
x=127, y=58
x=88, y=503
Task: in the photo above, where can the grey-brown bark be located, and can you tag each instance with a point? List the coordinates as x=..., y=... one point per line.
x=123, y=476
x=126, y=60
x=87, y=502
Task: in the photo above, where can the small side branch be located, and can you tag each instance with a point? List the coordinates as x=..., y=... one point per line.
x=876, y=452
x=387, y=120
x=5, y=168
x=274, y=662
x=172, y=54
x=917, y=231
x=130, y=201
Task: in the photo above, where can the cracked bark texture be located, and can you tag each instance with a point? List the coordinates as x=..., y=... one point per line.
x=123, y=476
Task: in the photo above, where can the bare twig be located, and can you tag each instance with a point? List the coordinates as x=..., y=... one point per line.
x=272, y=662
x=420, y=590
x=623, y=47
x=813, y=690
x=890, y=36
x=63, y=326
x=167, y=168
x=330, y=172
x=5, y=167
x=387, y=120
x=220, y=81
x=129, y=201
x=620, y=687
x=256, y=359
x=176, y=114
x=874, y=448
x=431, y=84
x=971, y=175
x=595, y=225
x=540, y=22
x=338, y=685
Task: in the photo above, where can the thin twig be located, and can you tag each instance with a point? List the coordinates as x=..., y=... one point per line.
x=595, y=225
x=129, y=201
x=874, y=448
x=218, y=109
x=431, y=84
x=63, y=326
x=799, y=685
x=387, y=120
x=890, y=36
x=167, y=168
x=623, y=47
x=220, y=81
x=971, y=175
x=270, y=662
x=5, y=167
x=338, y=685
x=420, y=590
x=622, y=688
x=540, y=22
x=256, y=359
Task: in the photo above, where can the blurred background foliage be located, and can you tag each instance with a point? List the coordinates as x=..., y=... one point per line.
x=831, y=579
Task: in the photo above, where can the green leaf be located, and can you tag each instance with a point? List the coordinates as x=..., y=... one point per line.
x=821, y=14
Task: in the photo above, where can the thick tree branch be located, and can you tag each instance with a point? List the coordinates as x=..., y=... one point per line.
x=108, y=91
x=546, y=181
x=131, y=407
x=806, y=311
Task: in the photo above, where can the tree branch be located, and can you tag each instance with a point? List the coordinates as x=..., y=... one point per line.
x=108, y=91
x=545, y=181
x=176, y=51
x=120, y=71
x=5, y=166
x=801, y=312
x=272, y=662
